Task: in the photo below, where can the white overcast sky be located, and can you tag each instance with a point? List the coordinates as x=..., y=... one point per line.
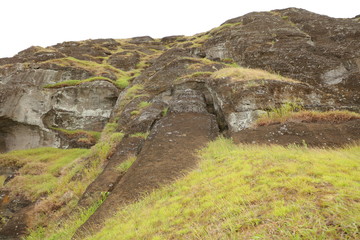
x=26, y=23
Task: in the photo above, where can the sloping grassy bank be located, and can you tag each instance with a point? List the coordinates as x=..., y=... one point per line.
x=41, y=170
x=252, y=192
x=54, y=180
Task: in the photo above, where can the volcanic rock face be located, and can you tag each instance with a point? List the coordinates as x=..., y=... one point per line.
x=87, y=106
x=316, y=49
x=172, y=90
x=29, y=111
x=320, y=51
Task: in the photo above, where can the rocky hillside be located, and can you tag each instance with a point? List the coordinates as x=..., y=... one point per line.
x=159, y=100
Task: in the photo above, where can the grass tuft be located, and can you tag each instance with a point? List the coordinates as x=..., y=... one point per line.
x=123, y=82
x=68, y=83
x=165, y=111
x=144, y=104
x=140, y=134
x=124, y=166
x=246, y=74
x=224, y=27
x=135, y=112
x=97, y=69
x=93, y=67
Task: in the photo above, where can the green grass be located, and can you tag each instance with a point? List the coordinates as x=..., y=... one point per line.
x=195, y=41
x=124, y=166
x=120, y=83
x=94, y=67
x=41, y=170
x=224, y=27
x=165, y=111
x=68, y=83
x=80, y=174
x=57, y=178
x=135, y=112
x=110, y=128
x=109, y=139
x=251, y=192
x=203, y=61
x=131, y=93
x=123, y=82
x=142, y=64
x=277, y=114
x=69, y=226
x=140, y=134
x=144, y=104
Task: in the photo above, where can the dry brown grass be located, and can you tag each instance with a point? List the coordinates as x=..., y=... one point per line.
x=308, y=117
x=247, y=74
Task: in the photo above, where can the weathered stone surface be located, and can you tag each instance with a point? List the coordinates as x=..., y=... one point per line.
x=167, y=70
x=86, y=106
x=91, y=50
x=173, y=39
x=241, y=102
x=316, y=49
x=188, y=100
x=16, y=136
x=28, y=110
x=143, y=39
x=321, y=51
x=322, y=134
x=125, y=60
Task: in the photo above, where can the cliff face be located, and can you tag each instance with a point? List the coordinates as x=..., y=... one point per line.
x=28, y=110
x=194, y=87
x=315, y=49
x=318, y=51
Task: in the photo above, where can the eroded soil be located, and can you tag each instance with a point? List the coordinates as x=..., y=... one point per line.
x=168, y=152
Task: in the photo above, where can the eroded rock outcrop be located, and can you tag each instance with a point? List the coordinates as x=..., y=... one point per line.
x=316, y=49
x=171, y=91
x=29, y=110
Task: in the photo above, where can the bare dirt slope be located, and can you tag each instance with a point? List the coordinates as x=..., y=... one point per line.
x=168, y=152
